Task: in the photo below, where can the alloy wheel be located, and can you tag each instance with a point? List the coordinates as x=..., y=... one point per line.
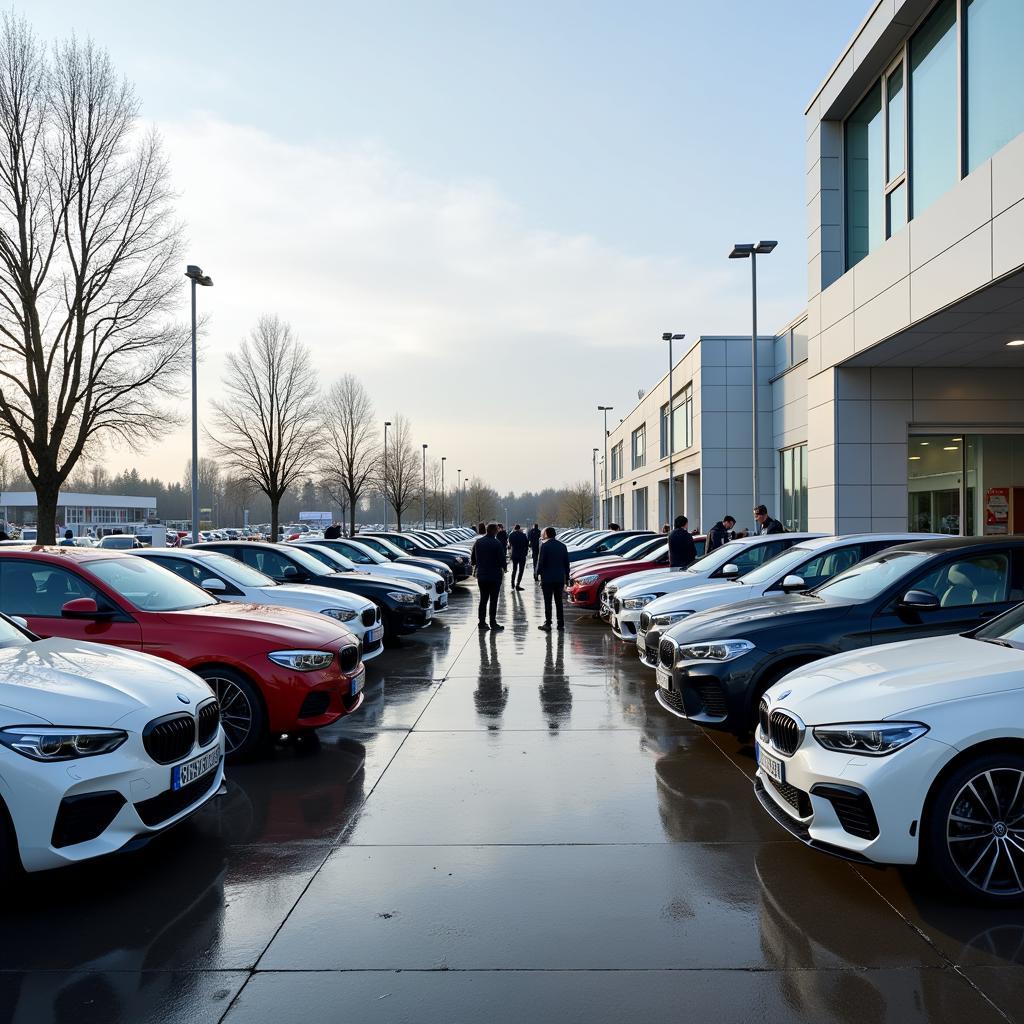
x=236, y=713
x=985, y=831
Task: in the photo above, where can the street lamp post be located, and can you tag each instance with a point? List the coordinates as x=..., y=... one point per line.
x=742, y=251
x=443, y=457
x=197, y=277
x=594, y=514
x=605, y=409
x=384, y=482
x=423, y=490
x=670, y=337
x=458, y=498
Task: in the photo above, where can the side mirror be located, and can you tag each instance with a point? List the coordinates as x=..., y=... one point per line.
x=214, y=586
x=290, y=572
x=84, y=608
x=19, y=620
x=792, y=582
x=730, y=571
x=919, y=601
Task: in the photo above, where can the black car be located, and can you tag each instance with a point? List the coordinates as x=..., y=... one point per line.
x=618, y=543
x=394, y=553
x=362, y=553
x=458, y=563
x=404, y=607
x=715, y=666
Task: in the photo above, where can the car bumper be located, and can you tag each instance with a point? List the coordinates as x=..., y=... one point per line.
x=372, y=647
x=309, y=700
x=106, y=803
x=409, y=620
x=715, y=694
x=625, y=625
x=582, y=597
x=862, y=808
x=440, y=601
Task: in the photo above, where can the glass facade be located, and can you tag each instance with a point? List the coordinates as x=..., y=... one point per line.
x=640, y=508
x=995, y=76
x=639, y=447
x=682, y=411
x=791, y=347
x=793, y=489
x=617, y=462
x=865, y=178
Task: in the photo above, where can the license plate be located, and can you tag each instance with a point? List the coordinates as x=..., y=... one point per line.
x=373, y=635
x=664, y=678
x=771, y=766
x=442, y=601
x=183, y=774
x=357, y=681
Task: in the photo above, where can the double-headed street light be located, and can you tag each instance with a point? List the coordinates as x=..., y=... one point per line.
x=196, y=276
x=423, y=490
x=742, y=251
x=384, y=482
x=670, y=337
x=605, y=409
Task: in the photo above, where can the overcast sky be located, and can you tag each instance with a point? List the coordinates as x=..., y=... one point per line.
x=488, y=212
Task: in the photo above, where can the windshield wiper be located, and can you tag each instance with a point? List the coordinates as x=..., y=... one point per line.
x=997, y=641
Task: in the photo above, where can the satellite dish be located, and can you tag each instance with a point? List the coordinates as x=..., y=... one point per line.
x=640, y=393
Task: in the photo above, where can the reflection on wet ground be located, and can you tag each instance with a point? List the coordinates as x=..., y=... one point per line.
x=510, y=830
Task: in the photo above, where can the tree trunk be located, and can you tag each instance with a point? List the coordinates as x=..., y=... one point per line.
x=352, y=516
x=47, y=494
x=398, y=518
x=275, y=504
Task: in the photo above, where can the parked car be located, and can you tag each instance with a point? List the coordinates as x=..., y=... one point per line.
x=405, y=607
x=457, y=561
x=910, y=754
x=99, y=749
x=229, y=579
x=119, y=542
x=273, y=670
x=393, y=553
x=364, y=556
x=715, y=666
x=801, y=567
x=588, y=578
x=617, y=543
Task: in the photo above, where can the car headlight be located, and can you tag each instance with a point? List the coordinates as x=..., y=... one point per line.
x=668, y=618
x=639, y=602
x=401, y=598
x=585, y=581
x=302, y=661
x=341, y=614
x=461, y=559
x=714, y=650
x=61, y=744
x=873, y=739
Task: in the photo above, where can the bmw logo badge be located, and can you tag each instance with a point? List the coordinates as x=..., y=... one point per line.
x=184, y=699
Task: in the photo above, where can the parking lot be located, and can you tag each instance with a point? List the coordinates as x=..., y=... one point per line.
x=510, y=830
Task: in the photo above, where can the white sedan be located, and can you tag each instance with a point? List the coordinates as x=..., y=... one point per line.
x=229, y=579
x=908, y=753
x=100, y=748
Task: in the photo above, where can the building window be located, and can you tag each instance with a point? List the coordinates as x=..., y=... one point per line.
x=640, y=508
x=995, y=76
x=639, y=447
x=617, y=462
x=790, y=347
x=618, y=509
x=865, y=178
x=682, y=412
x=793, y=464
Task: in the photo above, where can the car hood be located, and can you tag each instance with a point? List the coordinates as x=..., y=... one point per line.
x=747, y=619
x=893, y=679
x=644, y=580
x=311, y=598
x=71, y=682
x=702, y=597
x=269, y=626
x=424, y=577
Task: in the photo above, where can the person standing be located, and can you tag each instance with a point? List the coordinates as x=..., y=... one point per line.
x=489, y=559
x=681, y=549
x=666, y=529
x=518, y=544
x=69, y=539
x=721, y=533
x=764, y=522
x=333, y=532
x=534, y=538
x=553, y=573
x=502, y=536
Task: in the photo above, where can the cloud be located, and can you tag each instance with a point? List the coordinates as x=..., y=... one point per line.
x=496, y=336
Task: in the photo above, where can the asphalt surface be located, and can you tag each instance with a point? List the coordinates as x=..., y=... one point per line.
x=510, y=830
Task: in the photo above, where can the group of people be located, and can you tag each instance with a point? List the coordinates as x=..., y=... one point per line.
x=493, y=549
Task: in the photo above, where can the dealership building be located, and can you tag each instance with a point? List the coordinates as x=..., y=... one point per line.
x=895, y=399
x=98, y=514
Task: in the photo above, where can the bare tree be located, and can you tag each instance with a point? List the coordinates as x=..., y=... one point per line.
x=352, y=446
x=482, y=502
x=400, y=477
x=89, y=263
x=210, y=486
x=577, y=505
x=268, y=422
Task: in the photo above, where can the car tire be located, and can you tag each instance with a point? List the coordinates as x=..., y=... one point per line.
x=243, y=717
x=10, y=858
x=973, y=827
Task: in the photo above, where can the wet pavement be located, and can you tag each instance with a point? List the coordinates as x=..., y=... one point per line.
x=510, y=830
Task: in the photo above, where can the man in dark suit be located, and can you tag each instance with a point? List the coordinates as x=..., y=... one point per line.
x=763, y=523
x=518, y=546
x=721, y=533
x=489, y=558
x=502, y=535
x=534, y=538
x=681, y=549
x=553, y=573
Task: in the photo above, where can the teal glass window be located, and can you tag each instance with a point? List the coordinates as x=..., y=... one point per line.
x=865, y=178
x=897, y=123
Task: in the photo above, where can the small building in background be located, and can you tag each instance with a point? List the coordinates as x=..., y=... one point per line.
x=84, y=514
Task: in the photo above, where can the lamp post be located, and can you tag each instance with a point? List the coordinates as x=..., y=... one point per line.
x=670, y=337
x=423, y=490
x=594, y=514
x=605, y=409
x=742, y=251
x=458, y=498
x=197, y=277
x=384, y=488
x=443, y=457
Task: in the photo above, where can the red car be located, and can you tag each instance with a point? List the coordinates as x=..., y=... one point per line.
x=273, y=670
x=588, y=579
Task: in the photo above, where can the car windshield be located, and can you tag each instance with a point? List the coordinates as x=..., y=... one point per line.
x=781, y=565
x=361, y=554
x=331, y=559
x=1007, y=630
x=870, y=578
x=716, y=559
x=10, y=635
x=149, y=587
x=391, y=551
x=236, y=571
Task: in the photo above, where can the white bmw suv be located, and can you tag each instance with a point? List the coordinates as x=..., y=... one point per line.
x=100, y=748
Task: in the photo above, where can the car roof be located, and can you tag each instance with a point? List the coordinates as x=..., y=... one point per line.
x=942, y=544
x=74, y=553
x=815, y=542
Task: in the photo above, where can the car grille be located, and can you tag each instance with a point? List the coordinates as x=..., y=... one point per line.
x=796, y=798
x=369, y=646
x=369, y=617
x=425, y=601
x=169, y=738
x=853, y=809
x=713, y=700
x=315, y=704
x=159, y=808
x=667, y=652
x=617, y=605
x=208, y=717
x=673, y=699
x=762, y=719
x=651, y=653
x=439, y=586
x=348, y=657
x=645, y=621
x=785, y=732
